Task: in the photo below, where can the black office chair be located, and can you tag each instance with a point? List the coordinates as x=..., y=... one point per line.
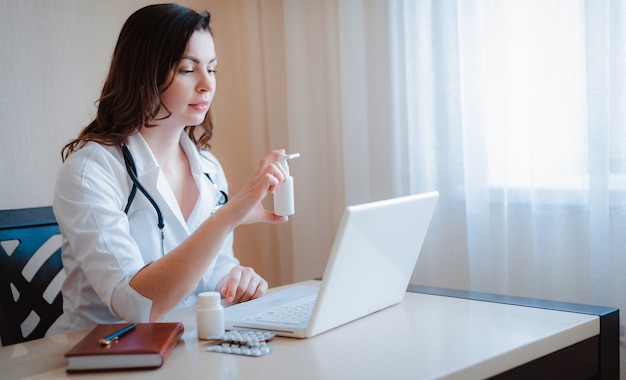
x=31, y=273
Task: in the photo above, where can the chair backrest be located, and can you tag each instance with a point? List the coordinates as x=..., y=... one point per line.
x=31, y=273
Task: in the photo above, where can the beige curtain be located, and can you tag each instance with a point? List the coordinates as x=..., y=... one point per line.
x=311, y=77
x=278, y=87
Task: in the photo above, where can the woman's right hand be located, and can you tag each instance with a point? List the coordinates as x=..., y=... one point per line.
x=246, y=207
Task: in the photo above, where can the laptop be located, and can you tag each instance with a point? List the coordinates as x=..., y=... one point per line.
x=369, y=268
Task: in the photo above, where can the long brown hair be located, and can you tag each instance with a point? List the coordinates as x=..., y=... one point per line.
x=150, y=45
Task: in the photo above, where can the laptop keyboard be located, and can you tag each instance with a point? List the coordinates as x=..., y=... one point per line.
x=292, y=314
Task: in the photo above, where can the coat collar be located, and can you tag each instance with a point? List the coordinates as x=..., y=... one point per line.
x=149, y=174
x=145, y=162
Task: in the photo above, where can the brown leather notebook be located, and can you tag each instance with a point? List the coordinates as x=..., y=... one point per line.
x=145, y=346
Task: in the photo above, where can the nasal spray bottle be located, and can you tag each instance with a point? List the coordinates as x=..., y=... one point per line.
x=283, y=197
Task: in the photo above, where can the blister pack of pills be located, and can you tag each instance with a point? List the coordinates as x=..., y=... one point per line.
x=248, y=343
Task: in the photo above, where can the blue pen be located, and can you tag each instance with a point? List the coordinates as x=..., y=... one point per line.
x=108, y=339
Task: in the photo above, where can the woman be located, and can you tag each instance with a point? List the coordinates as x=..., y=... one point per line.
x=140, y=199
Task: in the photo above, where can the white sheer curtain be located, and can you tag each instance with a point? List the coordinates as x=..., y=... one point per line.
x=512, y=109
x=515, y=113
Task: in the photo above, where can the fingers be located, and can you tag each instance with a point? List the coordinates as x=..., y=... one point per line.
x=278, y=176
x=246, y=206
x=269, y=174
x=274, y=219
x=269, y=159
x=270, y=166
x=243, y=285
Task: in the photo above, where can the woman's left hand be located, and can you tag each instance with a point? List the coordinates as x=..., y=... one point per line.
x=242, y=284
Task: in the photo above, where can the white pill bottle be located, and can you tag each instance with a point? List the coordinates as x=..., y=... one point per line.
x=210, y=315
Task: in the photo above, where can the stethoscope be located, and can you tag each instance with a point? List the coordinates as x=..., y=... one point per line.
x=132, y=173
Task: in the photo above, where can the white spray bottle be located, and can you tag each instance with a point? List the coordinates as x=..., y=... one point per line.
x=283, y=197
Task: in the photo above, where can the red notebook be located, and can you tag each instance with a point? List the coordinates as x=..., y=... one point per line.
x=145, y=346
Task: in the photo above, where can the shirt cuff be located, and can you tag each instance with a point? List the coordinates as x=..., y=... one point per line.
x=129, y=305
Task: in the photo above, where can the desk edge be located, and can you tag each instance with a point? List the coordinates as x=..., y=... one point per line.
x=608, y=316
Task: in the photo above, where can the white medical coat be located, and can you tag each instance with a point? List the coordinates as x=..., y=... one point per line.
x=103, y=247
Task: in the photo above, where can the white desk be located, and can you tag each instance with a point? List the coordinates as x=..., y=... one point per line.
x=426, y=336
